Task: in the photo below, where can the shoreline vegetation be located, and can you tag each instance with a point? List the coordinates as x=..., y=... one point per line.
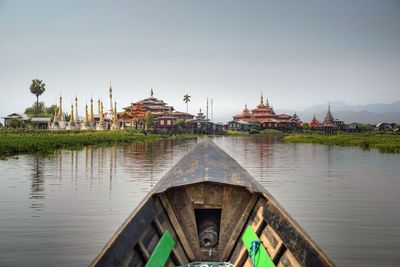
x=384, y=143
x=44, y=142
x=15, y=142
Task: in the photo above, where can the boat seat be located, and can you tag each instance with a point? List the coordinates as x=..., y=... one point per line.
x=161, y=252
x=208, y=264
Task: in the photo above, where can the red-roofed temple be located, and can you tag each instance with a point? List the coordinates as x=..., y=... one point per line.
x=264, y=117
x=133, y=115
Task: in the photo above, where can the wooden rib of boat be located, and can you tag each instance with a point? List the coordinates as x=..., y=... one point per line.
x=210, y=207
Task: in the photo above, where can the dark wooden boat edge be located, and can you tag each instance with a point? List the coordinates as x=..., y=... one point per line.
x=172, y=180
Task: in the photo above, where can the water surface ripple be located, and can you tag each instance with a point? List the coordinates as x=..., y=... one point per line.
x=60, y=210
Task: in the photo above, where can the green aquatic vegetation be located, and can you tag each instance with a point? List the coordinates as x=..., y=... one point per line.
x=13, y=143
x=385, y=143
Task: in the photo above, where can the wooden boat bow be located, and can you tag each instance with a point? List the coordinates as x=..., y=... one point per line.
x=213, y=209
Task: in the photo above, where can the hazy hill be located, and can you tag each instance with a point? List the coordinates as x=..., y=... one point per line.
x=370, y=113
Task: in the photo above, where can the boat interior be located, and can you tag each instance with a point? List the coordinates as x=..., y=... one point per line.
x=207, y=220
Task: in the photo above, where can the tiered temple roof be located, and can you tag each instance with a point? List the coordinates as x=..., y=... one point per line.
x=264, y=113
x=329, y=117
x=157, y=107
x=314, y=122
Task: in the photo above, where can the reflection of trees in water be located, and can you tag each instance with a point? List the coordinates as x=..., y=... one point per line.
x=97, y=166
x=146, y=158
x=329, y=167
x=113, y=168
x=37, y=185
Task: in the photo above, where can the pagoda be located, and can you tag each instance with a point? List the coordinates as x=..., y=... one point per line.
x=134, y=114
x=110, y=113
x=115, y=123
x=71, y=124
x=314, y=123
x=59, y=122
x=263, y=116
x=77, y=122
x=86, y=124
x=101, y=126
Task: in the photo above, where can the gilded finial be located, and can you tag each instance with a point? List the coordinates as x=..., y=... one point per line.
x=245, y=110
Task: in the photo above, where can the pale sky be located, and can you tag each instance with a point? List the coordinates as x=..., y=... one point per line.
x=298, y=53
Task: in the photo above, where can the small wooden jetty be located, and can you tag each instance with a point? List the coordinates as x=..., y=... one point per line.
x=209, y=211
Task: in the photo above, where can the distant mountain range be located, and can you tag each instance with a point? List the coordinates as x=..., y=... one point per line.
x=370, y=113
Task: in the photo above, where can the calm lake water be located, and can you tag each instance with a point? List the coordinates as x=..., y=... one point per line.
x=61, y=209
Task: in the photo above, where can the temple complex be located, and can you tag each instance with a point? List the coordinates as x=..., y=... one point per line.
x=202, y=125
x=91, y=121
x=133, y=115
x=264, y=117
x=329, y=125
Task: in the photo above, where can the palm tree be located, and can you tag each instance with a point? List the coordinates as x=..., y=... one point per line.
x=186, y=99
x=37, y=88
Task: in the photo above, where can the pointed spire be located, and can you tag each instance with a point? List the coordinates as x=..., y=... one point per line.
x=72, y=120
x=76, y=110
x=98, y=106
x=86, y=115
x=60, y=111
x=111, y=103
x=101, y=111
x=245, y=110
x=91, y=110
x=261, y=99
x=328, y=117
x=151, y=92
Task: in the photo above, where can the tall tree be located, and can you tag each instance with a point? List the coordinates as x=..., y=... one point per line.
x=186, y=99
x=37, y=88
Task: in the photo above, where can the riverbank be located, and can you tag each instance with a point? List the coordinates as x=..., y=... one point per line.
x=385, y=143
x=14, y=143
